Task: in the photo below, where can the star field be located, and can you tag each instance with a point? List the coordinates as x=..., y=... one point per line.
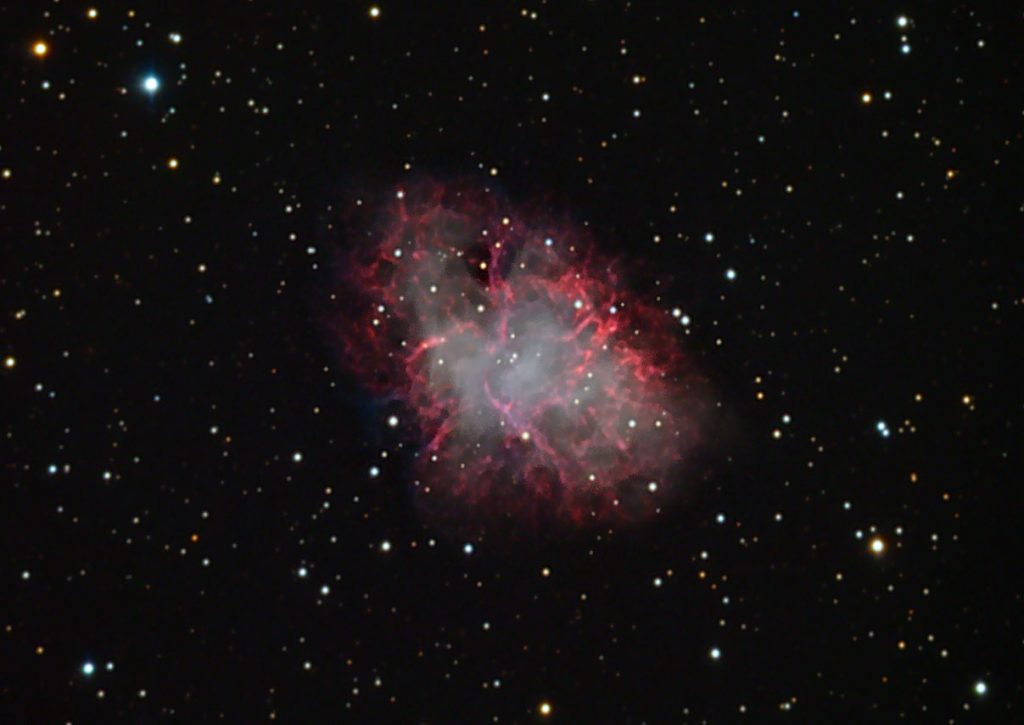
x=213, y=477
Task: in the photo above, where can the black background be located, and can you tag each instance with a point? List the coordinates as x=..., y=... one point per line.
x=167, y=351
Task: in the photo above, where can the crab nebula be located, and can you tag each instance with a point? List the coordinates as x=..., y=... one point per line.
x=537, y=389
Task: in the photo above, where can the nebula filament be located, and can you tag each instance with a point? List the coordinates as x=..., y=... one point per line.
x=541, y=391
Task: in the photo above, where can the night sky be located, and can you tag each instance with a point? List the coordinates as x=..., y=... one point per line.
x=211, y=502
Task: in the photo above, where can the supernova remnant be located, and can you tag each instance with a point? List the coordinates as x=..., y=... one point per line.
x=541, y=389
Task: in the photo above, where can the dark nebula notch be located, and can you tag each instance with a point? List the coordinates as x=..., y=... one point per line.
x=542, y=392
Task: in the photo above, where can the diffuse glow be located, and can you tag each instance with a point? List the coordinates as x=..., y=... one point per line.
x=543, y=389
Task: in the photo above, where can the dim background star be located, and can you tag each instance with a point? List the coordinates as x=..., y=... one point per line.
x=205, y=516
